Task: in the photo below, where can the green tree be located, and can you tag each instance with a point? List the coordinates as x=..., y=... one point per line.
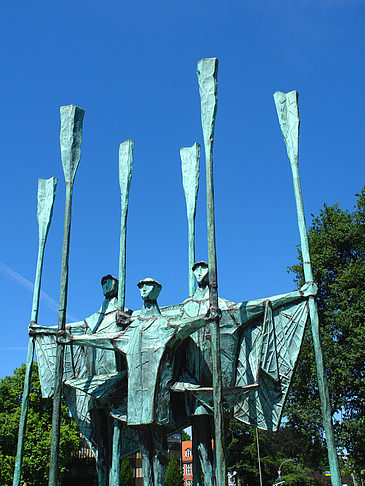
x=38, y=434
x=275, y=447
x=337, y=248
x=173, y=474
x=185, y=435
x=126, y=473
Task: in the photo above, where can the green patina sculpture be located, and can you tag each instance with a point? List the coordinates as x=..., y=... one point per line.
x=149, y=344
x=256, y=339
x=132, y=378
x=92, y=380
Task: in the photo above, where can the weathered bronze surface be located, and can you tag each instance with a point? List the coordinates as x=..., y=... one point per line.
x=132, y=378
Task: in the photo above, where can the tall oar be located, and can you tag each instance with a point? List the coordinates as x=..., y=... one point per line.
x=70, y=141
x=190, y=167
x=207, y=77
x=125, y=177
x=46, y=196
x=288, y=113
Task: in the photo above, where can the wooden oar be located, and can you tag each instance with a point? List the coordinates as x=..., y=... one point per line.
x=288, y=113
x=70, y=141
x=46, y=196
x=207, y=77
x=125, y=177
x=190, y=168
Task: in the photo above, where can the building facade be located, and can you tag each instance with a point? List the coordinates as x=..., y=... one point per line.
x=187, y=462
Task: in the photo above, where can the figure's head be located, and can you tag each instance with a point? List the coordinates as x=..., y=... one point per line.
x=110, y=286
x=149, y=289
x=200, y=270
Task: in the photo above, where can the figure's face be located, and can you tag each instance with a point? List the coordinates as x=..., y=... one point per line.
x=149, y=291
x=109, y=286
x=201, y=274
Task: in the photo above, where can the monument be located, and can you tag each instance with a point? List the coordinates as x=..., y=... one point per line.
x=131, y=378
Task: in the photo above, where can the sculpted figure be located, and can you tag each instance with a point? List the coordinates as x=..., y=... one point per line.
x=256, y=370
x=93, y=378
x=149, y=345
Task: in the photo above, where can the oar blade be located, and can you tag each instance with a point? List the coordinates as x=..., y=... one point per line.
x=125, y=169
x=207, y=72
x=190, y=168
x=288, y=114
x=46, y=197
x=70, y=139
x=125, y=176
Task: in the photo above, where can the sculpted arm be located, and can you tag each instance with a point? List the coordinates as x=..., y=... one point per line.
x=253, y=308
x=75, y=328
x=185, y=327
x=112, y=342
x=307, y=290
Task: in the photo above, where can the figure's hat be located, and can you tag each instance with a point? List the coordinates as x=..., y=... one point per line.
x=202, y=263
x=108, y=277
x=150, y=281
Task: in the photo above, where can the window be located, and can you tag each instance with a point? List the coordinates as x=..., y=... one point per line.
x=188, y=452
x=188, y=468
x=188, y=482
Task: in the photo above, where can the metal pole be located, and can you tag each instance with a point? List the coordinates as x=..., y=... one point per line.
x=70, y=141
x=190, y=168
x=46, y=196
x=207, y=76
x=288, y=113
x=125, y=177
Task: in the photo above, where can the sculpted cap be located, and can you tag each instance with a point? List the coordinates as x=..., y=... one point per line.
x=149, y=281
x=202, y=263
x=108, y=277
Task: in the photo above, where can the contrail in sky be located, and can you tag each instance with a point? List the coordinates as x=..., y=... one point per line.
x=27, y=284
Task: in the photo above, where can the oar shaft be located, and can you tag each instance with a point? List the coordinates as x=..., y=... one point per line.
x=313, y=313
x=191, y=237
x=56, y=413
x=307, y=267
x=28, y=373
x=288, y=113
x=70, y=141
x=221, y=470
x=46, y=196
x=125, y=176
x=207, y=75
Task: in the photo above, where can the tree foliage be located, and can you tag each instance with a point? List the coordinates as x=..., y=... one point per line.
x=38, y=434
x=337, y=249
x=173, y=474
x=126, y=473
x=185, y=435
x=275, y=447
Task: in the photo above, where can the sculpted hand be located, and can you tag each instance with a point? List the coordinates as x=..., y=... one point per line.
x=32, y=329
x=64, y=337
x=213, y=315
x=309, y=289
x=123, y=320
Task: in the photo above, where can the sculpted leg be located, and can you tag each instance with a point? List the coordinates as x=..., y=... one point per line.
x=146, y=444
x=202, y=448
x=101, y=419
x=160, y=456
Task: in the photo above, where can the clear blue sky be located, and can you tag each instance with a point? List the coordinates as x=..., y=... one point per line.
x=131, y=66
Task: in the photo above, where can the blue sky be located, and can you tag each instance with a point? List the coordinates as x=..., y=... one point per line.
x=131, y=66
